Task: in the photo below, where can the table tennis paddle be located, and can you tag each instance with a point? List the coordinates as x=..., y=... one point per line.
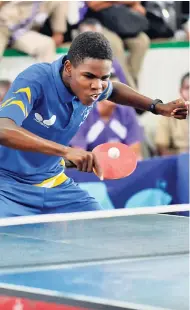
x=117, y=160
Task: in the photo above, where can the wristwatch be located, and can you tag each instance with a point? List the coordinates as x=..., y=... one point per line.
x=152, y=107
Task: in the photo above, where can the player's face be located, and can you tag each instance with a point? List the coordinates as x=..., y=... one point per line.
x=89, y=79
x=184, y=91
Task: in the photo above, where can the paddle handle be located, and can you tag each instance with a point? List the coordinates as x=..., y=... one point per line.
x=69, y=164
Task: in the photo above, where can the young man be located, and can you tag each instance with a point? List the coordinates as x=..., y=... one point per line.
x=42, y=111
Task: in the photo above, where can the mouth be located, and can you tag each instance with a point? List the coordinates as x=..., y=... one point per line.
x=95, y=96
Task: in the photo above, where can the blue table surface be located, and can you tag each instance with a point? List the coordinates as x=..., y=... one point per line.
x=160, y=282
x=139, y=259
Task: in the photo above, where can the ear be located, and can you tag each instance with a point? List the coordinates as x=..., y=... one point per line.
x=68, y=67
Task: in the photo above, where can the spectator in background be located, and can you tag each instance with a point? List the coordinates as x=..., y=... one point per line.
x=92, y=24
x=19, y=24
x=109, y=122
x=4, y=87
x=137, y=46
x=172, y=135
x=184, y=33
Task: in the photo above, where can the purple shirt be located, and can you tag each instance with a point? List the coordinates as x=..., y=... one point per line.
x=82, y=10
x=118, y=71
x=122, y=127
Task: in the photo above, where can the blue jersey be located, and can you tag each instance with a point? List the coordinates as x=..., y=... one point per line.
x=39, y=101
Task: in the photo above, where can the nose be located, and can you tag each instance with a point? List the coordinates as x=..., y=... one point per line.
x=96, y=85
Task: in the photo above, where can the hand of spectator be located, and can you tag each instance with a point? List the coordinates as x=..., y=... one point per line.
x=99, y=5
x=139, y=8
x=58, y=38
x=84, y=161
x=178, y=109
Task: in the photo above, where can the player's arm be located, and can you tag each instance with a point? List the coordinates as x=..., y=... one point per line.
x=15, y=108
x=15, y=137
x=125, y=95
x=18, y=138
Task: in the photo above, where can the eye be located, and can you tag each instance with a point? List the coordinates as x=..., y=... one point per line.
x=105, y=78
x=89, y=76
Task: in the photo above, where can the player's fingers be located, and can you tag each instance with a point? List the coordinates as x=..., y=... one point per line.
x=90, y=163
x=180, y=116
x=79, y=165
x=179, y=111
x=184, y=113
x=97, y=167
x=84, y=164
x=79, y=161
x=180, y=102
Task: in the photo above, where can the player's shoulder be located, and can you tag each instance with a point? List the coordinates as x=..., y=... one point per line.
x=36, y=73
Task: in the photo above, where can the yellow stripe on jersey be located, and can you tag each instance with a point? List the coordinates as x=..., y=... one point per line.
x=7, y=101
x=54, y=181
x=25, y=90
x=20, y=104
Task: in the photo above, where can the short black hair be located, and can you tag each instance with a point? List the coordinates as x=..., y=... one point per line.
x=184, y=77
x=89, y=45
x=90, y=21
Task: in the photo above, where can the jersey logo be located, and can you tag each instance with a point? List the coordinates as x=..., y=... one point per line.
x=45, y=122
x=85, y=114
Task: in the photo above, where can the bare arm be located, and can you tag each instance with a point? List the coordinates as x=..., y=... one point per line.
x=18, y=138
x=125, y=95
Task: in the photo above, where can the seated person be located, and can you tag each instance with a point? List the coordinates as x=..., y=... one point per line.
x=109, y=122
x=20, y=22
x=4, y=87
x=172, y=135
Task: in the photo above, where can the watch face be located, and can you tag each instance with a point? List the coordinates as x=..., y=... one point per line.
x=153, y=106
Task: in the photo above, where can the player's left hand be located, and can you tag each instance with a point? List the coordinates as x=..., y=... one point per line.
x=178, y=109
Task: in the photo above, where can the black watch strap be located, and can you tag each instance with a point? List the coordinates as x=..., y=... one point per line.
x=152, y=107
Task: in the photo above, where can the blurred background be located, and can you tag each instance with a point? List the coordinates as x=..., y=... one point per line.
x=150, y=41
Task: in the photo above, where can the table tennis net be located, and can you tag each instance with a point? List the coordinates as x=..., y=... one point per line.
x=36, y=241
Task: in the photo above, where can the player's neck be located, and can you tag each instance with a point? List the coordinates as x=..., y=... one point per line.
x=65, y=80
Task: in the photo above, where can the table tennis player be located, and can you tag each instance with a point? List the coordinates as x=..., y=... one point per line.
x=42, y=111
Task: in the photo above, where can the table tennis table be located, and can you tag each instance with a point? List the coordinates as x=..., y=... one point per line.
x=97, y=260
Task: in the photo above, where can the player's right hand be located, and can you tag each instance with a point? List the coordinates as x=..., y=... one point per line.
x=84, y=161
